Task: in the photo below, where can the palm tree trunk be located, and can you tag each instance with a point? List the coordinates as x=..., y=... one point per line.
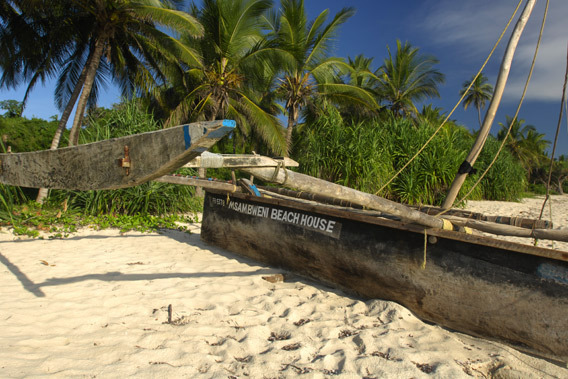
x=292, y=119
x=493, y=106
x=91, y=71
x=479, y=116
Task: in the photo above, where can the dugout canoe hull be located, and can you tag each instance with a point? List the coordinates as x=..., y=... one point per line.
x=481, y=286
x=113, y=163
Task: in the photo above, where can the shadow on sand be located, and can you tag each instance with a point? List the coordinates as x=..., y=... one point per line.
x=192, y=239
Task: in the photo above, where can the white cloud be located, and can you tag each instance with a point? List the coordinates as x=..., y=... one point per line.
x=472, y=27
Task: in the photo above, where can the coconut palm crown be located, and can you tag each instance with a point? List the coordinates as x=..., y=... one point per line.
x=478, y=95
x=231, y=79
x=408, y=77
x=307, y=69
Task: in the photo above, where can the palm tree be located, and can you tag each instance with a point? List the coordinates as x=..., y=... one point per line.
x=361, y=74
x=126, y=44
x=89, y=41
x=431, y=115
x=233, y=76
x=478, y=95
x=524, y=142
x=307, y=69
x=408, y=77
x=35, y=44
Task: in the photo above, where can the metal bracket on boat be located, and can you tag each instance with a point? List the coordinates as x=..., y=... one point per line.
x=125, y=162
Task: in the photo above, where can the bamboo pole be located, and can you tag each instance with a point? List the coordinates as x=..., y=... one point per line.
x=493, y=106
x=509, y=230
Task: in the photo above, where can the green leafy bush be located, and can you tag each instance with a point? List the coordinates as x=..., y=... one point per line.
x=23, y=134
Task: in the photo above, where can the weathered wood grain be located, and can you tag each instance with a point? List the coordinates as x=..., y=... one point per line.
x=97, y=165
x=472, y=284
x=239, y=161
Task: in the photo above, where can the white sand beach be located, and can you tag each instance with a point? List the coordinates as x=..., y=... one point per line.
x=95, y=304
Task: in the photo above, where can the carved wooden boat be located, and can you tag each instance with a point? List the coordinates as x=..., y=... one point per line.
x=482, y=286
x=114, y=163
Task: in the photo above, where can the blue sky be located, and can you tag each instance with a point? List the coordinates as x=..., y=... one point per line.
x=459, y=33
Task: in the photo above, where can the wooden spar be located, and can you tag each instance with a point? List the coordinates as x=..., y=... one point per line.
x=321, y=187
x=509, y=230
x=310, y=184
x=506, y=220
x=465, y=168
x=288, y=193
x=522, y=222
x=211, y=160
x=205, y=183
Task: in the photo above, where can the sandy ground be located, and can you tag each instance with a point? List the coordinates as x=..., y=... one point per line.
x=96, y=305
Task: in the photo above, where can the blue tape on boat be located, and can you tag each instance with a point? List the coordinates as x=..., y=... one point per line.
x=186, y=136
x=228, y=126
x=255, y=190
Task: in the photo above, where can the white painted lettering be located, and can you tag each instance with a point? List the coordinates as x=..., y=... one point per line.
x=290, y=218
x=322, y=223
x=330, y=226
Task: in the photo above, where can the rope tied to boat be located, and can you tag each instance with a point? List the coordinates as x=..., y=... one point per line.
x=280, y=164
x=423, y=266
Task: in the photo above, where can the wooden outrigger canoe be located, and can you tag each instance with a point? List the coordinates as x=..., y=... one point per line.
x=482, y=286
x=114, y=163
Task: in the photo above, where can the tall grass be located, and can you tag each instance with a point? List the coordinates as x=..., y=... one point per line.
x=350, y=154
x=9, y=197
x=365, y=155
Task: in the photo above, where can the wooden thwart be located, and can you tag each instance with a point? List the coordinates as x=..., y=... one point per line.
x=198, y=182
x=211, y=160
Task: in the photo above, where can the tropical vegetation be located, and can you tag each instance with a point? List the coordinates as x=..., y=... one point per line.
x=478, y=91
x=408, y=77
x=270, y=67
